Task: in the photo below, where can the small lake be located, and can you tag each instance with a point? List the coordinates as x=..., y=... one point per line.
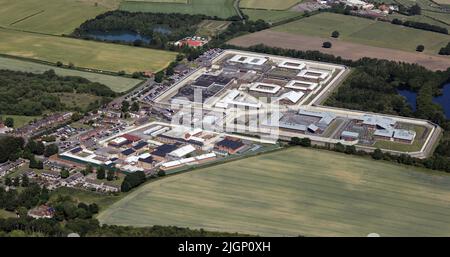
x=443, y=100
x=125, y=36
x=410, y=97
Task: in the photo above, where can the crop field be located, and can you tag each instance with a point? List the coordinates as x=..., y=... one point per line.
x=365, y=31
x=219, y=8
x=51, y=16
x=270, y=15
x=268, y=4
x=116, y=83
x=83, y=53
x=294, y=192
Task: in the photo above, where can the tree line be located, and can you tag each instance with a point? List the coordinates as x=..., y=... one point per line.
x=23, y=93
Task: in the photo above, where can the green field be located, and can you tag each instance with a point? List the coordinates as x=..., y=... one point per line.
x=365, y=31
x=415, y=146
x=294, y=192
x=116, y=83
x=268, y=4
x=20, y=120
x=88, y=197
x=83, y=53
x=269, y=15
x=219, y=8
x=51, y=16
x=6, y=214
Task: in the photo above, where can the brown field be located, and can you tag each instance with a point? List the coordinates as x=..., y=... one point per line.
x=346, y=50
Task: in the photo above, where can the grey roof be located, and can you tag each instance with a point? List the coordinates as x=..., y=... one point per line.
x=350, y=134
x=404, y=134
x=379, y=121
x=383, y=132
x=313, y=127
x=293, y=126
x=325, y=117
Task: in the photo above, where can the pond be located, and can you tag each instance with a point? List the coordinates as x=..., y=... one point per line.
x=122, y=36
x=443, y=100
x=410, y=97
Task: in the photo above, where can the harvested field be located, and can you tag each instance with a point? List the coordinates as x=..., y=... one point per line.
x=365, y=31
x=268, y=4
x=51, y=16
x=346, y=50
x=83, y=53
x=220, y=8
x=271, y=16
x=294, y=192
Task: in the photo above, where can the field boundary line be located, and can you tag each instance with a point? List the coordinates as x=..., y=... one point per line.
x=26, y=17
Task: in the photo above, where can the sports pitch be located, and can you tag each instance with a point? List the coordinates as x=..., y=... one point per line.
x=295, y=192
x=83, y=53
x=116, y=83
x=219, y=8
x=365, y=31
x=51, y=16
x=268, y=4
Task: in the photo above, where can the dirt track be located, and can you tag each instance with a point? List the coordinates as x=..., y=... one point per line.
x=344, y=49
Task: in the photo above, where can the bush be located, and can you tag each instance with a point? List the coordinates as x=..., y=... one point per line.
x=335, y=34
x=420, y=48
x=327, y=44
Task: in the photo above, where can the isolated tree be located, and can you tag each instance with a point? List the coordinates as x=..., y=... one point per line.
x=335, y=34
x=9, y=122
x=339, y=148
x=64, y=173
x=16, y=182
x=51, y=150
x=377, y=154
x=25, y=181
x=59, y=64
x=327, y=44
x=420, y=48
x=415, y=10
x=110, y=175
x=125, y=106
x=180, y=57
x=101, y=173
x=159, y=76
x=134, y=107
x=8, y=182
x=305, y=142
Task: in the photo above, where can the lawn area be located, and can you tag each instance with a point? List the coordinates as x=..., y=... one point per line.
x=417, y=144
x=102, y=200
x=51, y=16
x=116, y=83
x=294, y=192
x=83, y=53
x=270, y=15
x=20, y=120
x=6, y=214
x=219, y=8
x=74, y=100
x=268, y=4
x=365, y=31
